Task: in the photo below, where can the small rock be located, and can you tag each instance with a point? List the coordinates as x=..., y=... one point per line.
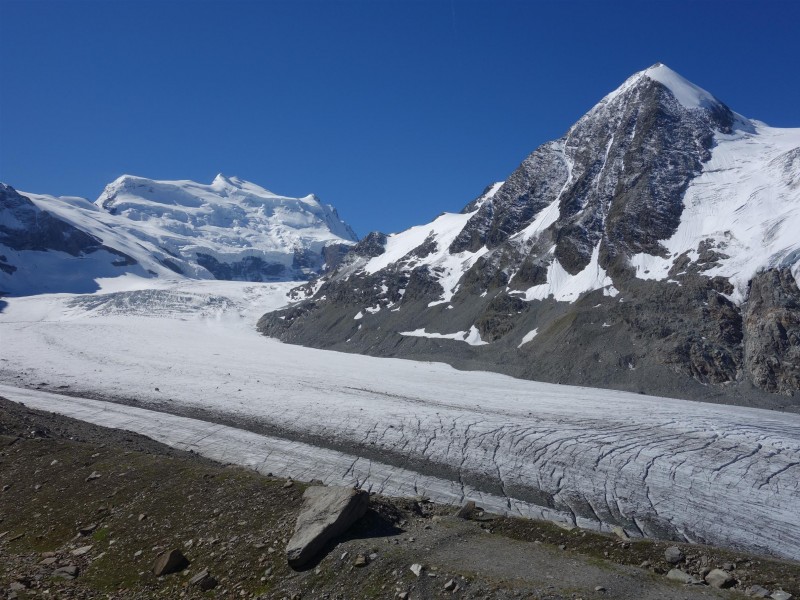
x=562, y=547
x=402, y=595
x=728, y=566
x=68, y=572
x=756, y=591
x=678, y=575
x=289, y=483
x=81, y=551
x=620, y=532
x=719, y=579
x=94, y=475
x=142, y=517
x=373, y=556
x=465, y=512
x=204, y=580
x=599, y=588
x=88, y=530
x=361, y=561
x=645, y=564
x=416, y=569
x=171, y=561
x=16, y=586
x=450, y=585
x=673, y=555
x=781, y=595
x=50, y=560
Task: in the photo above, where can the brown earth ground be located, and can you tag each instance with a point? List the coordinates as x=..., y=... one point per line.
x=67, y=485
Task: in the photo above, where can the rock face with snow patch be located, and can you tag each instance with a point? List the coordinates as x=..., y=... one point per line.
x=652, y=248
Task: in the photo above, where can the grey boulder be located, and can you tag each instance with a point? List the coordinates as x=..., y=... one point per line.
x=720, y=579
x=673, y=555
x=326, y=513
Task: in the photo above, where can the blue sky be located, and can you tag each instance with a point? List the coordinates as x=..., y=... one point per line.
x=391, y=111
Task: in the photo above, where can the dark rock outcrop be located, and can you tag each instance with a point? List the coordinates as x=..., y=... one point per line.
x=250, y=268
x=772, y=332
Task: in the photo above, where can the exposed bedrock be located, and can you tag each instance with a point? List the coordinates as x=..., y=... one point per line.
x=772, y=332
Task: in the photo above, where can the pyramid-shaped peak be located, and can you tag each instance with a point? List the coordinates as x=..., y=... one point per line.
x=222, y=179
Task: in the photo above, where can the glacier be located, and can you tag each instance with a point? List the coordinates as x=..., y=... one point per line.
x=182, y=363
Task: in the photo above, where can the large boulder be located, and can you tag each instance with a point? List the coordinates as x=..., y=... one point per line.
x=326, y=513
x=168, y=562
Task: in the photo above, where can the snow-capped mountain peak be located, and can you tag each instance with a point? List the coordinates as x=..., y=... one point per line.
x=661, y=213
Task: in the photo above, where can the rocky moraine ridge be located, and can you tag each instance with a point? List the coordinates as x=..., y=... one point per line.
x=652, y=248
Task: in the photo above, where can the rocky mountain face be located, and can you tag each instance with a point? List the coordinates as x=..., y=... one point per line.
x=230, y=229
x=653, y=248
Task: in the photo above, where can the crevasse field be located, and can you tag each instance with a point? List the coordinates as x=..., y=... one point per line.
x=182, y=363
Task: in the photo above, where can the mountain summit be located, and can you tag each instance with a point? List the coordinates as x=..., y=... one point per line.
x=653, y=247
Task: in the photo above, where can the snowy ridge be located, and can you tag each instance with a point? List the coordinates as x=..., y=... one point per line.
x=446, y=267
x=114, y=231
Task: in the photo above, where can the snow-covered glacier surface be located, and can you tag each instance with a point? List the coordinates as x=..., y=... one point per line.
x=596, y=458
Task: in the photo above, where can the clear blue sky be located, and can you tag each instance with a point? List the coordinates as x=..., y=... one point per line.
x=391, y=111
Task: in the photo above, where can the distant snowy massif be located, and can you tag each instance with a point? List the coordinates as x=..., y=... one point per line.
x=654, y=248
x=230, y=229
